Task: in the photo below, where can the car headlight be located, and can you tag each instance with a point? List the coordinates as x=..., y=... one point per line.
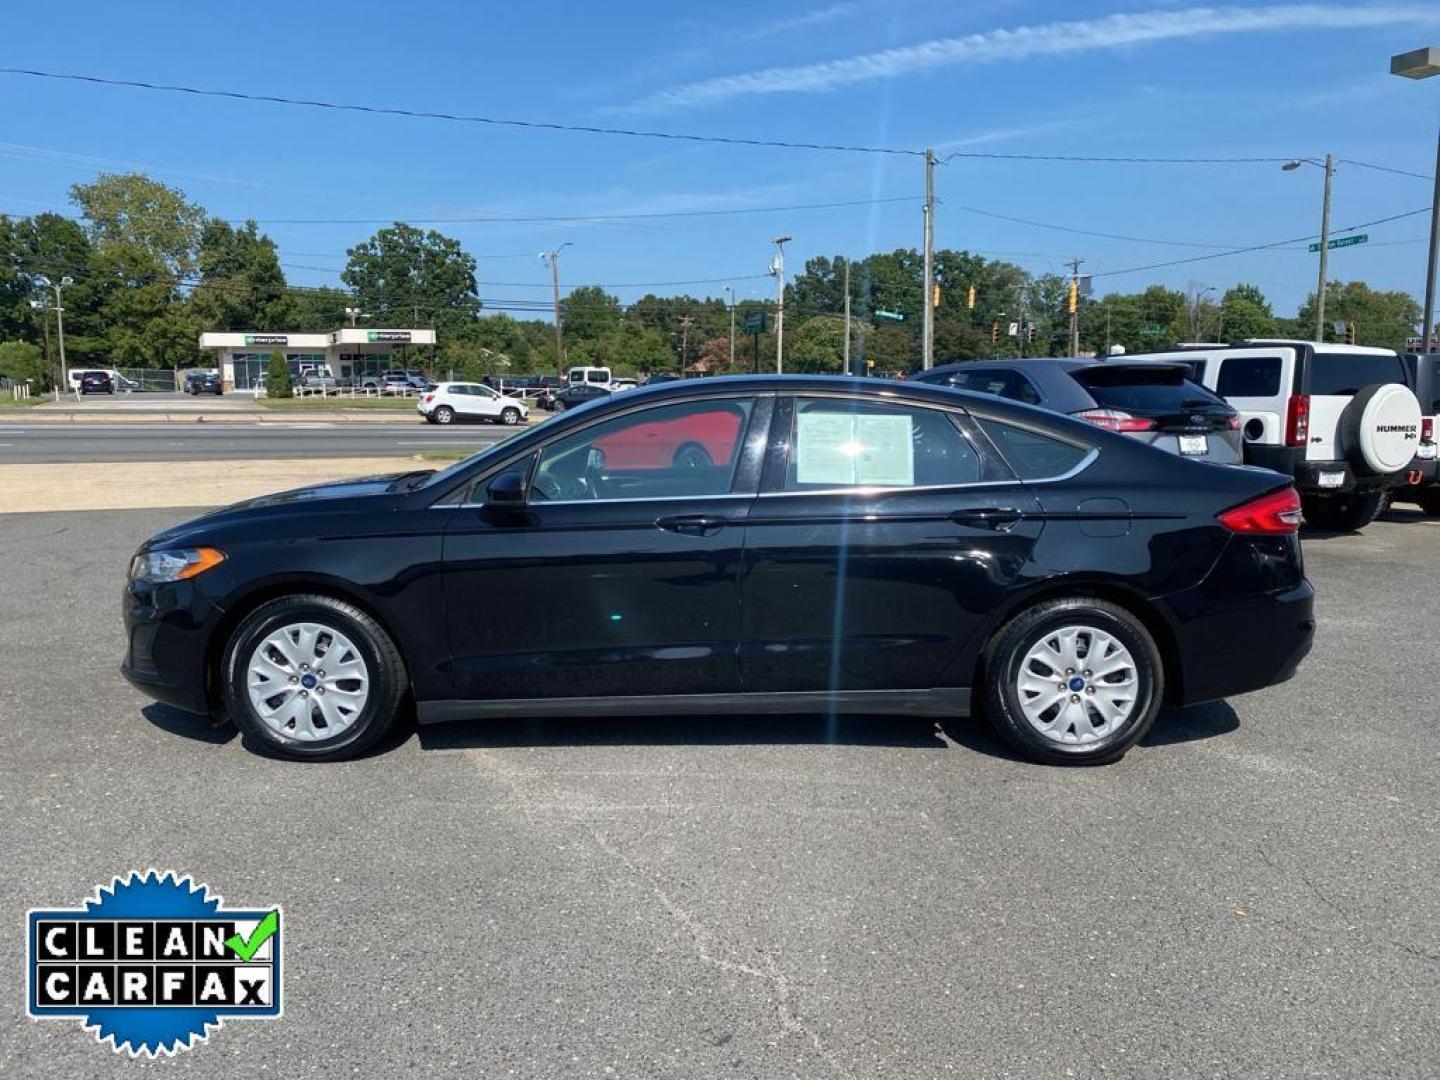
x=173, y=564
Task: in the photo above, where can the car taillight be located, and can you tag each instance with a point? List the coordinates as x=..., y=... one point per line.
x=429, y=398
x=1233, y=423
x=1297, y=420
x=1427, y=429
x=1275, y=513
x=1115, y=420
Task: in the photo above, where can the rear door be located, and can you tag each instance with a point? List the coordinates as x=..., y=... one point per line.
x=882, y=538
x=1334, y=378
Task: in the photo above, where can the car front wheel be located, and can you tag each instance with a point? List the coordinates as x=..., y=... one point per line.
x=313, y=678
x=1075, y=681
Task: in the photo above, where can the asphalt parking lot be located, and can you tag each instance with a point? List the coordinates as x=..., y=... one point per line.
x=1253, y=892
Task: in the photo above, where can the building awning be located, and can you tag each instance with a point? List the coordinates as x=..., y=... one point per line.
x=349, y=335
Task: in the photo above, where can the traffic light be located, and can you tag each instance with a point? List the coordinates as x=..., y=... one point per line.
x=994, y=332
x=1349, y=333
x=1074, y=295
x=1030, y=334
x=970, y=298
x=935, y=296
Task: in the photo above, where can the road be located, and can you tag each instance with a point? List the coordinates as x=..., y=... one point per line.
x=23, y=442
x=1253, y=892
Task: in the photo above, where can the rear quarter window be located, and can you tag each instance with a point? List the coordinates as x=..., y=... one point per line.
x=1343, y=374
x=1249, y=376
x=1031, y=455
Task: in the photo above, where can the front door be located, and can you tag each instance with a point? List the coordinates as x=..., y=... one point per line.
x=880, y=541
x=620, y=573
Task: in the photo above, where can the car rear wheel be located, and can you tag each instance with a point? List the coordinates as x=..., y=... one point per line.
x=1073, y=682
x=1350, y=512
x=313, y=678
x=444, y=414
x=509, y=416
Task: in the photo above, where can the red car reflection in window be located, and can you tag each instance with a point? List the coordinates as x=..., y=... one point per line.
x=695, y=440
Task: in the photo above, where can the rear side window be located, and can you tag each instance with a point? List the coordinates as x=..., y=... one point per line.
x=840, y=443
x=1006, y=384
x=1249, y=376
x=1031, y=455
x=1141, y=390
x=1346, y=373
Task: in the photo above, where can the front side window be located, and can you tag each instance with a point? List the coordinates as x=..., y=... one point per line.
x=1249, y=376
x=688, y=449
x=844, y=443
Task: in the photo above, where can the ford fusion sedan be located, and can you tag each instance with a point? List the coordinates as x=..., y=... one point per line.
x=739, y=546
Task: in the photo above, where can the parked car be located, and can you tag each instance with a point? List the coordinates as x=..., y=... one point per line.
x=623, y=384
x=1424, y=369
x=852, y=546
x=96, y=382
x=1151, y=401
x=453, y=401
x=118, y=381
x=388, y=382
x=317, y=380
x=204, y=382
x=580, y=394
x=1342, y=420
x=654, y=380
x=589, y=376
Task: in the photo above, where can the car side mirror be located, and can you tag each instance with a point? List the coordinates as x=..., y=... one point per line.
x=507, y=489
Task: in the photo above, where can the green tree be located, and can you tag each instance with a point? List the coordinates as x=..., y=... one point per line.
x=817, y=345
x=1383, y=318
x=589, y=313
x=277, y=377
x=402, y=275
x=1245, y=313
x=132, y=210
x=241, y=284
x=22, y=361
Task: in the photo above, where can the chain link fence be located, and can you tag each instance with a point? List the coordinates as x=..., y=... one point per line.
x=150, y=380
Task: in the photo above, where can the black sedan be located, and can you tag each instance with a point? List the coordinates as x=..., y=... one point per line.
x=739, y=545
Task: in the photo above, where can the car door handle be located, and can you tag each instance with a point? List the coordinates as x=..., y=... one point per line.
x=992, y=517
x=692, y=524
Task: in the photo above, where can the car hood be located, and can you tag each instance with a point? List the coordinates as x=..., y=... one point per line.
x=296, y=501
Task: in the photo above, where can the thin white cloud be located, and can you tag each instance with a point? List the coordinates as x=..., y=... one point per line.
x=804, y=20
x=1028, y=42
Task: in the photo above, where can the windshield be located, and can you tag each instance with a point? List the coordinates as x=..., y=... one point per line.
x=455, y=468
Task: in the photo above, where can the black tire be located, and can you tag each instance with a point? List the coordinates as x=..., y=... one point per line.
x=692, y=456
x=444, y=414
x=1428, y=500
x=510, y=416
x=1349, y=512
x=386, y=669
x=1007, y=652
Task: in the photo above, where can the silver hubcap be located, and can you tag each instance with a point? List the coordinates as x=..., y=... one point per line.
x=307, y=681
x=1078, y=685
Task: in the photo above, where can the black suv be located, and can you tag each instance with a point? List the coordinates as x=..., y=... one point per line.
x=204, y=382
x=97, y=382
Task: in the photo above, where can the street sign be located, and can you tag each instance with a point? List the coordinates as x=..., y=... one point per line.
x=754, y=322
x=881, y=313
x=1152, y=329
x=1344, y=241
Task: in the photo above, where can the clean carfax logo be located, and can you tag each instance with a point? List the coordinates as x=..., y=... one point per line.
x=153, y=963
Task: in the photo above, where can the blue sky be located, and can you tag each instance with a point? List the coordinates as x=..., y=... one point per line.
x=1142, y=78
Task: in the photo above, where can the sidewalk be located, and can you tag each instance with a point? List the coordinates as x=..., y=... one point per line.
x=60, y=415
x=148, y=485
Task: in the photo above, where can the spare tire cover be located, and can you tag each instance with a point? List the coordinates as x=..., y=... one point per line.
x=1381, y=428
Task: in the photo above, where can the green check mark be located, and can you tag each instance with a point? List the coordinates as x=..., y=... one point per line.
x=244, y=948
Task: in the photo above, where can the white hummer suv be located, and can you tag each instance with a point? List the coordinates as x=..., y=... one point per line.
x=1343, y=420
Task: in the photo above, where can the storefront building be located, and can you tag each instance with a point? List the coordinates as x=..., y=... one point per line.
x=349, y=354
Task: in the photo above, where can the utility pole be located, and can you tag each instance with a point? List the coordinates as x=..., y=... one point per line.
x=846, y=368
x=731, y=290
x=1324, y=246
x=777, y=267
x=43, y=309
x=927, y=338
x=685, y=323
x=1074, y=305
x=552, y=259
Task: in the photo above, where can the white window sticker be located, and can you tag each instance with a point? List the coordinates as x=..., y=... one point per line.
x=850, y=449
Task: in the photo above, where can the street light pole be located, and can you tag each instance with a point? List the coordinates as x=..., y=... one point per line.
x=552, y=259
x=778, y=269
x=1329, y=167
x=1421, y=64
x=927, y=336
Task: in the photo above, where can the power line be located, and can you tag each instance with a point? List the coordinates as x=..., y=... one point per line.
x=1260, y=247
x=1097, y=160
x=1082, y=232
x=422, y=114
x=1384, y=168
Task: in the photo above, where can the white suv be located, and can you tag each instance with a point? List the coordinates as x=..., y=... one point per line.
x=451, y=401
x=1343, y=420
